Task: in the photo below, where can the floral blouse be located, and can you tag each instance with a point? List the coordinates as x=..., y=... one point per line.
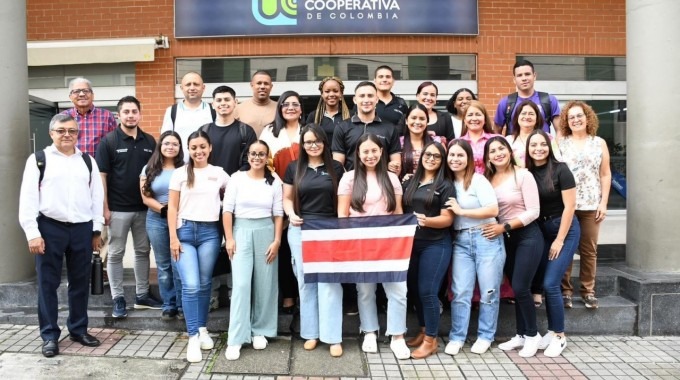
x=585, y=165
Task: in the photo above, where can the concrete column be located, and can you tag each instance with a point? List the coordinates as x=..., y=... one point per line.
x=17, y=262
x=653, y=135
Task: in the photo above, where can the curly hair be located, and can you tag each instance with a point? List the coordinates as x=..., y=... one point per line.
x=592, y=122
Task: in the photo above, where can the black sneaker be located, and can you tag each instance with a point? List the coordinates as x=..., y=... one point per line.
x=119, y=307
x=147, y=301
x=169, y=315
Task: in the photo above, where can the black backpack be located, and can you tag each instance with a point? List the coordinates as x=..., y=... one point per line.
x=544, y=99
x=173, y=114
x=41, y=163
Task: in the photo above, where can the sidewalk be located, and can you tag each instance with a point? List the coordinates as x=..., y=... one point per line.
x=160, y=355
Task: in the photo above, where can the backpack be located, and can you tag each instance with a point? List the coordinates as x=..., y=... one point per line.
x=41, y=163
x=173, y=114
x=544, y=99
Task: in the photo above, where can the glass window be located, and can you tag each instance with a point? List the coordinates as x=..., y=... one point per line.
x=101, y=75
x=574, y=68
x=430, y=67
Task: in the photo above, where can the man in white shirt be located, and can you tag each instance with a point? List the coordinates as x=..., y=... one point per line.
x=61, y=213
x=191, y=113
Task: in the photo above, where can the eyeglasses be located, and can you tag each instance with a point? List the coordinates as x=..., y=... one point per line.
x=577, y=116
x=316, y=143
x=429, y=156
x=84, y=91
x=62, y=131
x=257, y=154
x=290, y=105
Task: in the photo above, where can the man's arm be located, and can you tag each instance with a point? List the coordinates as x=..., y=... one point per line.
x=29, y=206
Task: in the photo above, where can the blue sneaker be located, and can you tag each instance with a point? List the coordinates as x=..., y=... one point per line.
x=147, y=301
x=119, y=307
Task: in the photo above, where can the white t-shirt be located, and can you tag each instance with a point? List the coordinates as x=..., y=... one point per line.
x=201, y=202
x=187, y=121
x=249, y=198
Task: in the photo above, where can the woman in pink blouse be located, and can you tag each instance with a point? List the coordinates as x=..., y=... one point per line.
x=519, y=207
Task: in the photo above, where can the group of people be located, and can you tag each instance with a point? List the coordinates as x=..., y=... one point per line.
x=248, y=176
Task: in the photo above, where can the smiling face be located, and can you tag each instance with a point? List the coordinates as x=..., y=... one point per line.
x=65, y=135
x=577, y=119
x=312, y=144
x=224, y=104
x=369, y=154
x=170, y=147
x=199, y=151
x=539, y=149
x=129, y=115
x=365, y=97
x=331, y=93
x=462, y=101
x=261, y=84
x=291, y=108
x=474, y=119
x=527, y=118
x=427, y=97
x=384, y=80
x=499, y=155
x=81, y=95
x=192, y=87
x=457, y=159
x=416, y=121
x=257, y=156
x=524, y=78
x=432, y=159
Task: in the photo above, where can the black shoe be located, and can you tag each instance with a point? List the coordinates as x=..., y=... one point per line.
x=50, y=348
x=147, y=301
x=86, y=340
x=290, y=310
x=169, y=315
x=352, y=309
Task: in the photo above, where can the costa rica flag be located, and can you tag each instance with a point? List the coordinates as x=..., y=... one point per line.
x=369, y=249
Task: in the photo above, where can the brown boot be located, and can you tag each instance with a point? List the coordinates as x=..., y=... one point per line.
x=417, y=340
x=430, y=346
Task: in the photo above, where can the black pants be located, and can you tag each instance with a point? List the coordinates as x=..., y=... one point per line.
x=74, y=241
x=287, y=282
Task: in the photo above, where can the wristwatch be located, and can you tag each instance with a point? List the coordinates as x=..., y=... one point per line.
x=507, y=227
x=96, y=233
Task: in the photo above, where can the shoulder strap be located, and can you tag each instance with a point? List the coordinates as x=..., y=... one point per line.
x=510, y=105
x=112, y=141
x=544, y=99
x=173, y=115
x=213, y=113
x=40, y=162
x=88, y=163
x=205, y=127
x=242, y=132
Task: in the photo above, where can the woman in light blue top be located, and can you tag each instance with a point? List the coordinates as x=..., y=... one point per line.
x=474, y=256
x=154, y=182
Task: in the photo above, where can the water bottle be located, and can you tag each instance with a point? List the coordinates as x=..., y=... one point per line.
x=97, y=283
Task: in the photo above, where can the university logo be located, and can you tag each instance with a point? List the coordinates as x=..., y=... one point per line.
x=275, y=12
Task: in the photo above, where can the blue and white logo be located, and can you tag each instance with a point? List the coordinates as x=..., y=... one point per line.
x=275, y=12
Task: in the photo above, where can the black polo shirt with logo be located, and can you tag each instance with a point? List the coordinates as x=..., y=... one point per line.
x=348, y=132
x=122, y=158
x=315, y=190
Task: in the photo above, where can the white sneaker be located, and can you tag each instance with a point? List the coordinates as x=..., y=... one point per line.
x=480, y=346
x=205, y=339
x=545, y=341
x=557, y=345
x=370, y=344
x=194, y=350
x=453, y=348
x=401, y=351
x=233, y=352
x=259, y=342
x=530, y=346
x=516, y=342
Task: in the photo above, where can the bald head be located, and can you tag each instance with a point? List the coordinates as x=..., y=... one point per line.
x=192, y=87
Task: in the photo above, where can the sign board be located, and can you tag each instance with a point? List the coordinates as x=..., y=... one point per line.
x=231, y=18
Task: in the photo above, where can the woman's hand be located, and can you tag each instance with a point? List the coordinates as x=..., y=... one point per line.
x=421, y=218
x=600, y=213
x=454, y=206
x=175, y=248
x=555, y=249
x=295, y=220
x=230, y=245
x=491, y=230
x=406, y=177
x=272, y=251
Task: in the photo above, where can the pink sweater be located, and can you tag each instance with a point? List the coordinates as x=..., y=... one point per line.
x=518, y=198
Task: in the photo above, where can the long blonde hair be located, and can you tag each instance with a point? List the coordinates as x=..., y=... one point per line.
x=321, y=107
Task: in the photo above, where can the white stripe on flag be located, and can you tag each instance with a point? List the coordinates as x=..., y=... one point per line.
x=359, y=233
x=356, y=266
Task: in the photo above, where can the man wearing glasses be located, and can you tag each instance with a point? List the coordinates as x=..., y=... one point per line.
x=60, y=211
x=94, y=122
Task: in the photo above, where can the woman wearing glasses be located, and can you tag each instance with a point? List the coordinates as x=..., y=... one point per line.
x=253, y=224
x=588, y=159
x=425, y=195
x=309, y=192
x=282, y=136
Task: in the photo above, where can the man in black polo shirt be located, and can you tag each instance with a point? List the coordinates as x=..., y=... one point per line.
x=390, y=107
x=347, y=133
x=121, y=155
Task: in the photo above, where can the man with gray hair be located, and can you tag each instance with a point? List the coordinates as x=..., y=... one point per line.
x=60, y=211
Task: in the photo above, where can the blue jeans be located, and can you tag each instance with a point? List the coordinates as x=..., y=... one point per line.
x=550, y=272
x=200, y=247
x=320, y=303
x=476, y=257
x=430, y=260
x=169, y=283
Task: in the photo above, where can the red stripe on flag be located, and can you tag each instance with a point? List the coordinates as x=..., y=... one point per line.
x=357, y=250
